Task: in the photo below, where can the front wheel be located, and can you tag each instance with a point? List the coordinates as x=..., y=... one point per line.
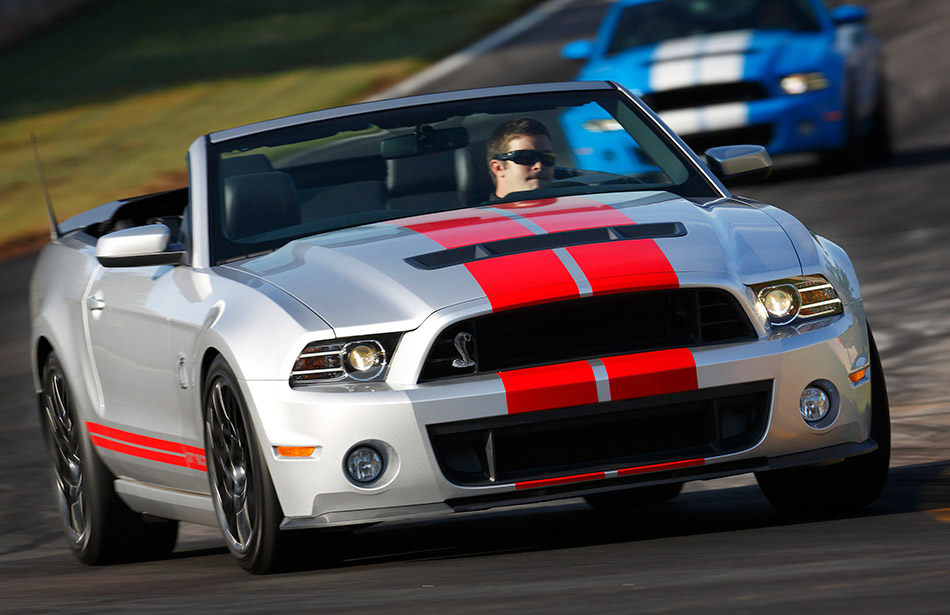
x=100, y=528
x=846, y=485
x=244, y=498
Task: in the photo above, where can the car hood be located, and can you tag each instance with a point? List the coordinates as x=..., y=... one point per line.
x=392, y=275
x=762, y=55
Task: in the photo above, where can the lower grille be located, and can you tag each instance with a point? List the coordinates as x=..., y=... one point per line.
x=604, y=436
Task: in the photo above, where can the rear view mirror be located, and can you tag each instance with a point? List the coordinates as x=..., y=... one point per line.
x=739, y=164
x=424, y=140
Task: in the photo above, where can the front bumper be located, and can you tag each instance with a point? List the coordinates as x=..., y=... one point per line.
x=405, y=423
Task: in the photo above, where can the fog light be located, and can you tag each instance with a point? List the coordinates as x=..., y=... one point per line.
x=819, y=404
x=364, y=464
x=814, y=404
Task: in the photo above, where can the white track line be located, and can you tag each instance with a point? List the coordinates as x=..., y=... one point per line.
x=463, y=57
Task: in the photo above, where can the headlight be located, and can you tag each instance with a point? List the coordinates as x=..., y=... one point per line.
x=602, y=125
x=799, y=83
x=340, y=361
x=786, y=301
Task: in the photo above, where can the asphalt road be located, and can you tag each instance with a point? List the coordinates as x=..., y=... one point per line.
x=718, y=548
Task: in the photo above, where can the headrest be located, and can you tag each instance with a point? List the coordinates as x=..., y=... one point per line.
x=259, y=202
x=474, y=178
x=251, y=163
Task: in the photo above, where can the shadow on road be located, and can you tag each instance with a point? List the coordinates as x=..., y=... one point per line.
x=574, y=524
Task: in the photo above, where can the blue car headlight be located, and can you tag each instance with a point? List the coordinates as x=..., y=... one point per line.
x=799, y=83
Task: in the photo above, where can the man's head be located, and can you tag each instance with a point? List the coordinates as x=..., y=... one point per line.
x=520, y=156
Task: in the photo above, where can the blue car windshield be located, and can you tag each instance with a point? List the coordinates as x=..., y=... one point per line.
x=652, y=22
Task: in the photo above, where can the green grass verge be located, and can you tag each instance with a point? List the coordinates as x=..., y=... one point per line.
x=118, y=92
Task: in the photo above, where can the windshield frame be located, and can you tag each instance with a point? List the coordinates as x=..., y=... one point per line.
x=700, y=183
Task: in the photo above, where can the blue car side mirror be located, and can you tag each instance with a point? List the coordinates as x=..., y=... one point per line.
x=578, y=50
x=849, y=13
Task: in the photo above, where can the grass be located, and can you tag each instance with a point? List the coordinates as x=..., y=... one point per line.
x=117, y=93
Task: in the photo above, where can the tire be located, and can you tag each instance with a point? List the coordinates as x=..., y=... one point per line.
x=853, y=155
x=244, y=498
x=880, y=138
x=99, y=527
x=844, y=486
x=650, y=495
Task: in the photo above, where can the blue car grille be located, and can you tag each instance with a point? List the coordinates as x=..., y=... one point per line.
x=705, y=95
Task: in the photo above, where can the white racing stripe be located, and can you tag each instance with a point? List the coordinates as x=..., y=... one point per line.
x=718, y=58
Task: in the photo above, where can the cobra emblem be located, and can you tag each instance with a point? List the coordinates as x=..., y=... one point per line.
x=461, y=345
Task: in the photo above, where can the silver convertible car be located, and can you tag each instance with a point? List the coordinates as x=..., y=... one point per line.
x=341, y=321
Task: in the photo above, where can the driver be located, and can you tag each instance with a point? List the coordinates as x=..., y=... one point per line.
x=520, y=157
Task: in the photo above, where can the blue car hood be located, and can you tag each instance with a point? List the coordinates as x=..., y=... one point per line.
x=762, y=55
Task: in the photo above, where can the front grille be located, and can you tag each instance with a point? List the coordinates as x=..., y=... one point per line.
x=705, y=95
x=605, y=436
x=587, y=328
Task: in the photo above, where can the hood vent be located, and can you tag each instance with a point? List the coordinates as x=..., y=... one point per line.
x=547, y=241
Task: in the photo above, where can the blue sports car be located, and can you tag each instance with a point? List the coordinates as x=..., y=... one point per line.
x=792, y=75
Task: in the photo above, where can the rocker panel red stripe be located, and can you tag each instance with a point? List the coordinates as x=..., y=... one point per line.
x=578, y=478
x=134, y=444
x=549, y=386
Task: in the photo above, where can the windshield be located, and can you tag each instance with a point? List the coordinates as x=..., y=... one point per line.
x=652, y=22
x=272, y=187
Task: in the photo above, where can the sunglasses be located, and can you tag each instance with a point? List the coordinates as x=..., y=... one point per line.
x=528, y=157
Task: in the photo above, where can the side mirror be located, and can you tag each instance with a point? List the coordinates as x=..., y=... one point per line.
x=849, y=13
x=578, y=50
x=140, y=246
x=735, y=165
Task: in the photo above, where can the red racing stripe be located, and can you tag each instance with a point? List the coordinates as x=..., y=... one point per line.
x=452, y=229
x=656, y=467
x=549, y=386
x=567, y=214
x=651, y=373
x=613, y=267
x=625, y=266
x=578, y=478
x=560, y=480
x=142, y=446
x=523, y=279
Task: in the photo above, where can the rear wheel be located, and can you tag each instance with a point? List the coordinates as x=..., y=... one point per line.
x=243, y=494
x=100, y=528
x=650, y=495
x=846, y=485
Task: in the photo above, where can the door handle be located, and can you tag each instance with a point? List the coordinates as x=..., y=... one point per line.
x=95, y=303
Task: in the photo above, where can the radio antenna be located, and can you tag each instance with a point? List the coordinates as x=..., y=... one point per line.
x=53, y=225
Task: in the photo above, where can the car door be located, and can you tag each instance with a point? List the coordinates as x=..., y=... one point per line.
x=143, y=434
